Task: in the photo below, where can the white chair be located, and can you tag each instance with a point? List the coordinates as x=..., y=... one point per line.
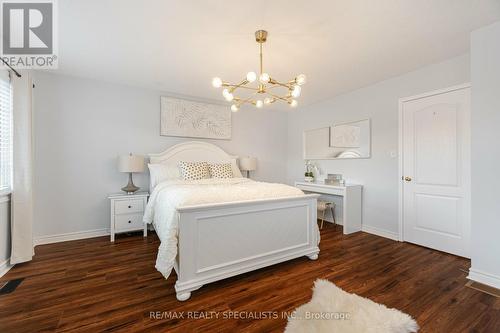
x=322, y=207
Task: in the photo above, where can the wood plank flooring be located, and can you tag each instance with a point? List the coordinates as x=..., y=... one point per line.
x=94, y=286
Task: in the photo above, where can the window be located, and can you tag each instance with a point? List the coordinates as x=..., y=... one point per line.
x=5, y=132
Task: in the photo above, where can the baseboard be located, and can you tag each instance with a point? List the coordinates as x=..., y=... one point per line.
x=4, y=267
x=70, y=236
x=484, y=278
x=380, y=232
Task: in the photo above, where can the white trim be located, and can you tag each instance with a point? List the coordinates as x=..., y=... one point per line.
x=484, y=278
x=400, y=145
x=400, y=171
x=436, y=92
x=5, y=267
x=5, y=197
x=5, y=192
x=380, y=232
x=49, y=239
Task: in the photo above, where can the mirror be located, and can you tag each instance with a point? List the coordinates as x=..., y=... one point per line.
x=345, y=140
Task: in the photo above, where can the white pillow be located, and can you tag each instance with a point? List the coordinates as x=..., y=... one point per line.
x=160, y=172
x=236, y=169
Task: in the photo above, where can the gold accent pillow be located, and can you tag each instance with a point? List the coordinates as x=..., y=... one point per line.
x=194, y=170
x=220, y=170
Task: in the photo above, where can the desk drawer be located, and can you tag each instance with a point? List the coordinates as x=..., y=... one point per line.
x=318, y=189
x=128, y=222
x=129, y=206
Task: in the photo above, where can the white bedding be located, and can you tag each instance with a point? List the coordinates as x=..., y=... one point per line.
x=169, y=195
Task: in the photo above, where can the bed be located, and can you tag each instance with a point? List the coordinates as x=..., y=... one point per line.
x=214, y=229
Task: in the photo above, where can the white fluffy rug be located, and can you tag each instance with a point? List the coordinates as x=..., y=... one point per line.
x=333, y=310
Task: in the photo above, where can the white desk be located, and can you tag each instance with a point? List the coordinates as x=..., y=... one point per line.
x=351, y=194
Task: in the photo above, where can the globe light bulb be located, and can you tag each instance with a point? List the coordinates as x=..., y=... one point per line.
x=300, y=79
x=234, y=108
x=293, y=103
x=264, y=78
x=216, y=82
x=296, y=91
x=227, y=95
x=251, y=76
x=259, y=104
x=268, y=100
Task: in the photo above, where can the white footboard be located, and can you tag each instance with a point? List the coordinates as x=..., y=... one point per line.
x=222, y=240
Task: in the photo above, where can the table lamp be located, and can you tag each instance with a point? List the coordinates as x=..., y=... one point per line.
x=130, y=163
x=248, y=164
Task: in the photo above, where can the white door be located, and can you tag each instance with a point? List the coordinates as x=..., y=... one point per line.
x=436, y=170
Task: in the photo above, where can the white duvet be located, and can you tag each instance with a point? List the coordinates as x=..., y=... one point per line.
x=169, y=195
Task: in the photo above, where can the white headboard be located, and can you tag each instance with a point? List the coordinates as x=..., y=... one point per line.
x=192, y=151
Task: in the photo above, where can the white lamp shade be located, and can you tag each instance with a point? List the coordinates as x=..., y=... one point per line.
x=248, y=163
x=131, y=163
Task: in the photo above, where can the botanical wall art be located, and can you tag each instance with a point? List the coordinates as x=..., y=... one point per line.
x=345, y=136
x=185, y=118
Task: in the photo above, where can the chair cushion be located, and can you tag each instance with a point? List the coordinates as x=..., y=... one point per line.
x=322, y=205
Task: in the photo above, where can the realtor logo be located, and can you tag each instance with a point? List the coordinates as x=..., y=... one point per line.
x=28, y=33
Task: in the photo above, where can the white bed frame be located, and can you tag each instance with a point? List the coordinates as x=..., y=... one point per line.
x=217, y=241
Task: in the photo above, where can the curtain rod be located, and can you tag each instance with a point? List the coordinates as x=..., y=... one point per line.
x=12, y=69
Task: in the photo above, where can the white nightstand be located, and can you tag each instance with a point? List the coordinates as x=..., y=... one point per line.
x=127, y=211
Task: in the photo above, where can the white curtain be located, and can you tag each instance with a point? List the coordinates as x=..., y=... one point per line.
x=22, y=182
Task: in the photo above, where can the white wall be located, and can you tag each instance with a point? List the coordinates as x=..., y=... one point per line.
x=485, y=134
x=82, y=125
x=378, y=174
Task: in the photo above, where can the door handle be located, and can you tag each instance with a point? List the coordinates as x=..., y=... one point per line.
x=408, y=179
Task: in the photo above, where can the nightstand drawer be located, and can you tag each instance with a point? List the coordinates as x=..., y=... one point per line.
x=129, y=206
x=128, y=222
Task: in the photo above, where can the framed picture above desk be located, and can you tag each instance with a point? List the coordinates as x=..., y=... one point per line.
x=340, y=141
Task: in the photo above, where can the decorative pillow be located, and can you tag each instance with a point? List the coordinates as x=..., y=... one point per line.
x=221, y=170
x=194, y=170
x=236, y=169
x=161, y=172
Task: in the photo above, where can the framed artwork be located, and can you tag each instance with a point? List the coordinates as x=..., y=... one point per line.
x=345, y=136
x=347, y=140
x=183, y=118
x=351, y=140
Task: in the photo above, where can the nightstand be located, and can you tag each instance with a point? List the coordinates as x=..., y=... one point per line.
x=127, y=211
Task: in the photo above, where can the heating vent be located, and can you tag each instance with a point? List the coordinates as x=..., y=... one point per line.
x=10, y=286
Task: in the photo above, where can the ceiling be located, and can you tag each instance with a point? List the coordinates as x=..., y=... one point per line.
x=178, y=46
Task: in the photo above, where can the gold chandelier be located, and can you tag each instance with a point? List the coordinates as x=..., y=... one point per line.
x=264, y=92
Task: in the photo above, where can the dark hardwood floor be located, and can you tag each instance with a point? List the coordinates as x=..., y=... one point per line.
x=93, y=286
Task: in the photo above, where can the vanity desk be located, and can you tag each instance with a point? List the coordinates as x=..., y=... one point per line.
x=351, y=197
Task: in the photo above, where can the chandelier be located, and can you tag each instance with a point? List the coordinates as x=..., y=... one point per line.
x=265, y=90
